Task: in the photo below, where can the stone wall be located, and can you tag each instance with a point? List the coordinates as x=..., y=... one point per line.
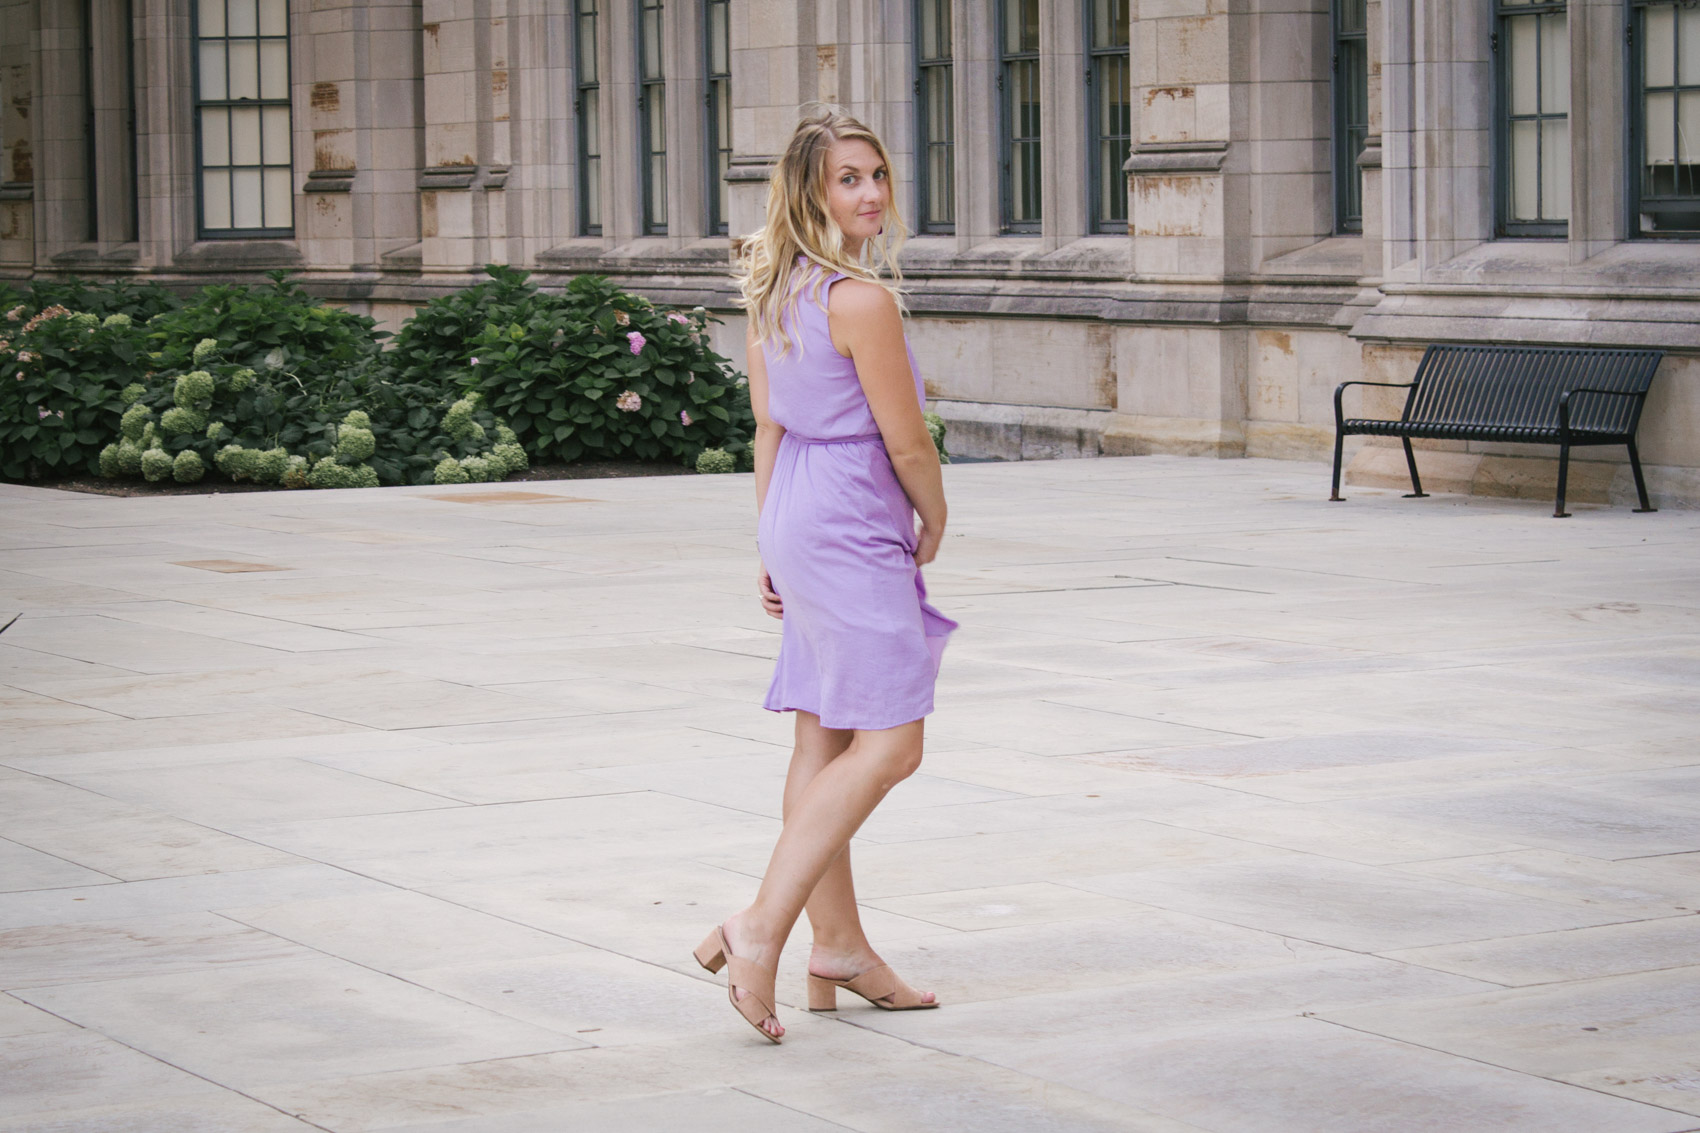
x=434, y=136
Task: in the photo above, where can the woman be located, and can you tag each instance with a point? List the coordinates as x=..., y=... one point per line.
x=844, y=464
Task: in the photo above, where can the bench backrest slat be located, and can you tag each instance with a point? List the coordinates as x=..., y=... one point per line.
x=1520, y=385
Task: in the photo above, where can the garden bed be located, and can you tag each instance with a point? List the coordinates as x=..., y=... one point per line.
x=583, y=470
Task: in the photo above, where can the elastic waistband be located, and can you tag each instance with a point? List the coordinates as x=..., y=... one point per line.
x=802, y=440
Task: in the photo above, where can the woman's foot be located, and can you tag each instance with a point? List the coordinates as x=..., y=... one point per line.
x=842, y=964
x=750, y=947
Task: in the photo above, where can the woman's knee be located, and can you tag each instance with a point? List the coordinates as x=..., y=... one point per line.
x=898, y=761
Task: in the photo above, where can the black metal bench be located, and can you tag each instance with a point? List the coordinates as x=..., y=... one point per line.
x=1551, y=395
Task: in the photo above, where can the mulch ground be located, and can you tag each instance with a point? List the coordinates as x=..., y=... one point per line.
x=215, y=484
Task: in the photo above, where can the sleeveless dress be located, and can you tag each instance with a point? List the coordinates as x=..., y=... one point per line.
x=860, y=644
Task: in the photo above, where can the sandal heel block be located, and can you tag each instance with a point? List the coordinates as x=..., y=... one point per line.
x=823, y=994
x=711, y=953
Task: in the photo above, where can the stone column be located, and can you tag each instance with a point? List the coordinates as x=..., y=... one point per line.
x=1182, y=388
x=1436, y=140
x=1181, y=174
x=687, y=172
x=1062, y=98
x=359, y=89
x=1370, y=160
x=17, y=154
x=61, y=157
x=113, y=182
x=776, y=67
x=463, y=222
x=974, y=48
x=1598, y=205
x=540, y=190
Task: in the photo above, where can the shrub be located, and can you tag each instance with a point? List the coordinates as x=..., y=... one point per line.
x=330, y=474
x=596, y=373
x=62, y=376
x=712, y=460
x=435, y=348
x=187, y=467
x=936, y=430
x=157, y=464
x=266, y=329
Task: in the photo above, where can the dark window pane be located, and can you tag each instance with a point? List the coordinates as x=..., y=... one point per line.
x=935, y=120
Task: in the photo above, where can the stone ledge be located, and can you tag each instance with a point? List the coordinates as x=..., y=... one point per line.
x=1127, y=434
x=1020, y=432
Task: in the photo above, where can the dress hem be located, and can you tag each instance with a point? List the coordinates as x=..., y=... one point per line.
x=851, y=727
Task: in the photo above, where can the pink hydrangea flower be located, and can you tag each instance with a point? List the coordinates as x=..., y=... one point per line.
x=637, y=340
x=678, y=318
x=15, y=313
x=685, y=418
x=629, y=401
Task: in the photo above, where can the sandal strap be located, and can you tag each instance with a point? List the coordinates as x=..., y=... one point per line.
x=757, y=984
x=883, y=983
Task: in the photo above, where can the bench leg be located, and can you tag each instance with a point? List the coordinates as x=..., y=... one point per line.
x=1558, y=511
x=1339, y=449
x=1416, y=492
x=1640, y=481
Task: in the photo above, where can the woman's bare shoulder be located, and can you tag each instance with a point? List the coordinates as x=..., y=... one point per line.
x=857, y=298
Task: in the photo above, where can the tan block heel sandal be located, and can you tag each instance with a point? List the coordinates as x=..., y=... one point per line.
x=879, y=986
x=756, y=981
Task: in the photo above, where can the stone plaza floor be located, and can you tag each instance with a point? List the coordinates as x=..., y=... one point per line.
x=1243, y=811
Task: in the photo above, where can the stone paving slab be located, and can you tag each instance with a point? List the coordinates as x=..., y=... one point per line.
x=401, y=809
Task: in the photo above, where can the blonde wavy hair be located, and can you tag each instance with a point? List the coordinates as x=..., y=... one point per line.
x=800, y=227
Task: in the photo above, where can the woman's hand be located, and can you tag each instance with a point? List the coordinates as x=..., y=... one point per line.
x=926, y=544
x=770, y=603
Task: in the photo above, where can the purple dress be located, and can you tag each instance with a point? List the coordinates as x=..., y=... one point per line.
x=861, y=645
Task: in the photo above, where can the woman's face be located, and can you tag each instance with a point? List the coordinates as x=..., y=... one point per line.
x=858, y=189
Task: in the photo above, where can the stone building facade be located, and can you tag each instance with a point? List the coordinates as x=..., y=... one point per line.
x=1141, y=225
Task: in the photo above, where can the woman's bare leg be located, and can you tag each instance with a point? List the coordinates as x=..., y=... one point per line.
x=832, y=905
x=841, y=948
x=823, y=816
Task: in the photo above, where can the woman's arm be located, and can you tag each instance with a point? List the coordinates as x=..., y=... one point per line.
x=867, y=325
x=766, y=451
x=767, y=433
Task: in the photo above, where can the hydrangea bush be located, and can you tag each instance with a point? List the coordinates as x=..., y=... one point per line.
x=597, y=373
x=61, y=373
x=268, y=385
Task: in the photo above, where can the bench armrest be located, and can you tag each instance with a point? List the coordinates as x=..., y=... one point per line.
x=1339, y=412
x=1564, y=401
x=1565, y=396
